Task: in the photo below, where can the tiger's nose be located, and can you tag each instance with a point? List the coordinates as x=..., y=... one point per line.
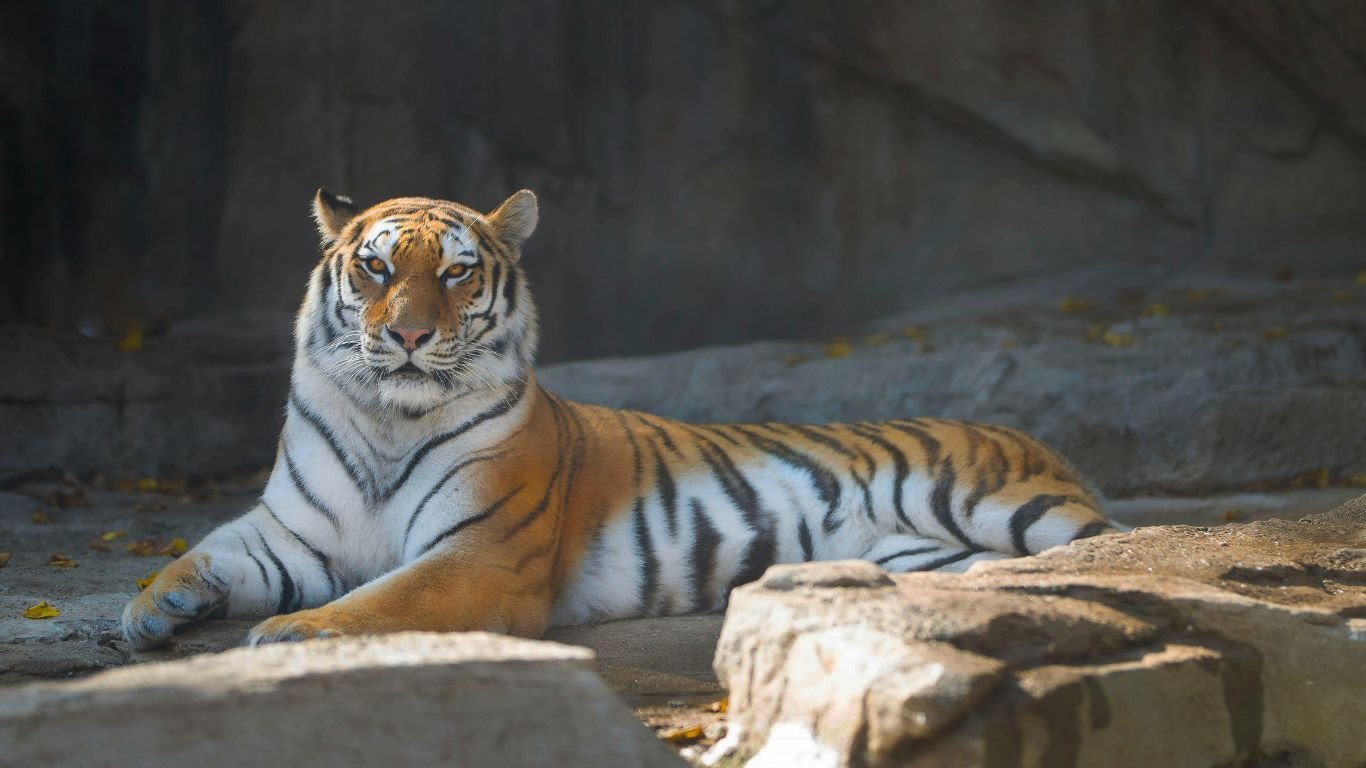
x=409, y=338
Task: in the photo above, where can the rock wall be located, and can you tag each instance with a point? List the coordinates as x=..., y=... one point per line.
x=710, y=172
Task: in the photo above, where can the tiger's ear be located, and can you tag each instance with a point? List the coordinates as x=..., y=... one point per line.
x=332, y=212
x=516, y=218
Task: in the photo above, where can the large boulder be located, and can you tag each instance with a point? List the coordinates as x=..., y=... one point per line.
x=468, y=699
x=1166, y=646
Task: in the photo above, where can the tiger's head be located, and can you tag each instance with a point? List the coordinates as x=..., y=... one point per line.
x=417, y=301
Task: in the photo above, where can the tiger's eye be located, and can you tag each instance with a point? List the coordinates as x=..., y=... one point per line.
x=376, y=264
x=456, y=271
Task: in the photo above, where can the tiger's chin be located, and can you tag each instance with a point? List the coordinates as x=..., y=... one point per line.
x=411, y=391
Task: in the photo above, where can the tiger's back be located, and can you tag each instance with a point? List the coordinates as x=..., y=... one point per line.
x=698, y=509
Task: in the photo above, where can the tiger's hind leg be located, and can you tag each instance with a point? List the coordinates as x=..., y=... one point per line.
x=904, y=553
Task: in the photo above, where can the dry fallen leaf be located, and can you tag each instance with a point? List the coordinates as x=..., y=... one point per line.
x=1071, y=304
x=678, y=735
x=96, y=545
x=1272, y=334
x=1284, y=273
x=62, y=561
x=915, y=333
x=112, y=535
x=792, y=360
x=131, y=341
x=4, y=558
x=1095, y=332
x=1202, y=294
x=1118, y=339
x=143, y=547
x=175, y=547
x=1342, y=296
x=1232, y=515
x=41, y=518
x=1156, y=310
x=877, y=339
x=147, y=484
x=1361, y=277
x=1358, y=480
x=839, y=347
x=721, y=705
x=41, y=611
x=1319, y=477
x=147, y=580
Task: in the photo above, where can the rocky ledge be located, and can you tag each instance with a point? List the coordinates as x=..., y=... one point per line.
x=1171, y=645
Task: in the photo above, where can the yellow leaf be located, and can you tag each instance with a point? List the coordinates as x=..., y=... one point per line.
x=112, y=535
x=793, y=360
x=1156, y=310
x=147, y=484
x=41, y=611
x=1071, y=304
x=4, y=558
x=41, y=518
x=722, y=706
x=1319, y=477
x=175, y=548
x=1202, y=294
x=1358, y=480
x=1095, y=333
x=839, y=347
x=143, y=547
x=131, y=341
x=676, y=735
x=1232, y=515
x=914, y=333
x=62, y=561
x=1118, y=339
x=1272, y=334
x=1361, y=277
x=147, y=580
x=877, y=339
x=1342, y=296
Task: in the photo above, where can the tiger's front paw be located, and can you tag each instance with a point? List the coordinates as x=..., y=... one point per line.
x=301, y=625
x=185, y=591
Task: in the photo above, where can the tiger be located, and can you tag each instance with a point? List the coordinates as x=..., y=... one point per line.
x=424, y=480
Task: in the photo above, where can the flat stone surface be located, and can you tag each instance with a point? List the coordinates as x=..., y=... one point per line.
x=423, y=698
x=1238, y=643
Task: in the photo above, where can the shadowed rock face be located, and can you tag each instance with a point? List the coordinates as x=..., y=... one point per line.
x=1167, y=645
x=710, y=172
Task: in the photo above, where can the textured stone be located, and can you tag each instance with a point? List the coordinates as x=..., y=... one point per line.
x=408, y=699
x=1238, y=644
x=710, y=172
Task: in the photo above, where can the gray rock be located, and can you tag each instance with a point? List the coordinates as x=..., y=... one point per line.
x=1238, y=644
x=409, y=699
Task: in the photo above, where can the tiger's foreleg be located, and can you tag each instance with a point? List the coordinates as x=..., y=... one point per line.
x=444, y=591
x=254, y=566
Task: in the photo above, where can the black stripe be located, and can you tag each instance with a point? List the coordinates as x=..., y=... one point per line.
x=471, y=520
x=1029, y=514
x=649, y=564
x=826, y=484
x=287, y=592
x=928, y=443
x=324, y=563
x=498, y=409
x=906, y=553
x=510, y=293
x=703, y=555
x=329, y=437
x=900, y=467
x=935, y=565
x=762, y=549
x=544, y=504
x=818, y=438
x=668, y=494
x=759, y=556
x=804, y=538
x=659, y=431
x=1094, y=529
x=941, y=503
x=421, y=505
x=307, y=493
x=246, y=548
